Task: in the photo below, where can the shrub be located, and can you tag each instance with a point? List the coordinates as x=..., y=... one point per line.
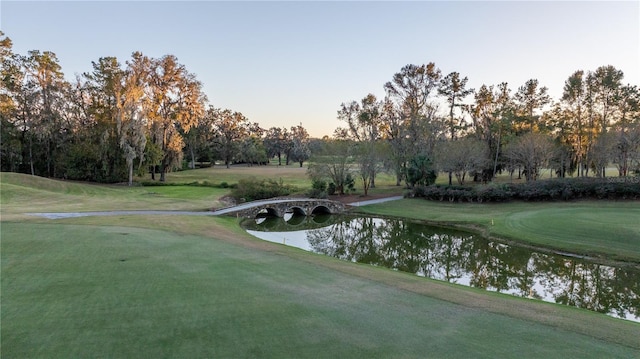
x=318, y=189
x=564, y=189
x=252, y=189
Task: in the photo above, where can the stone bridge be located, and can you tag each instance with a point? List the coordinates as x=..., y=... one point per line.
x=280, y=207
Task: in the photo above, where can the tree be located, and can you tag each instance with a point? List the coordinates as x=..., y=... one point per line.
x=176, y=102
x=41, y=91
x=529, y=98
x=532, y=151
x=467, y=155
x=421, y=171
x=300, y=144
x=492, y=115
x=104, y=91
x=603, y=86
x=275, y=142
x=412, y=88
x=392, y=131
x=231, y=128
x=606, y=82
x=452, y=87
x=364, y=121
x=199, y=140
x=574, y=96
x=628, y=113
x=12, y=109
x=252, y=150
x=334, y=164
x=131, y=114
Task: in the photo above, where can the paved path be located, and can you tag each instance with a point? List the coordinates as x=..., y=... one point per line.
x=375, y=201
x=54, y=215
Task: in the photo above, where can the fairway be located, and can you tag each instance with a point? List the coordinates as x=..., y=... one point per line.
x=178, y=286
x=85, y=291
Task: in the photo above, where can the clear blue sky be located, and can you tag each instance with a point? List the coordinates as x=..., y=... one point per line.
x=284, y=63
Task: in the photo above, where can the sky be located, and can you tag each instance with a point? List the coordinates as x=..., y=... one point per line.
x=288, y=63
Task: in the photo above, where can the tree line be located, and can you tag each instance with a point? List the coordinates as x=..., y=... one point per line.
x=150, y=114
x=429, y=123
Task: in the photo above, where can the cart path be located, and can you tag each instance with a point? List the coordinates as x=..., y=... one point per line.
x=59, y=215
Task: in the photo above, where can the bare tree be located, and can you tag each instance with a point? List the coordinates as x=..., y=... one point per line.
x=364, y=121
x=462, y=157
x=532, y=151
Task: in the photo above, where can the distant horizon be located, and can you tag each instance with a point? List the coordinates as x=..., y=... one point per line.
x=286, y=63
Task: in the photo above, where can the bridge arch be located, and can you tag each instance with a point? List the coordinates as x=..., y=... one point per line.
x=320, y=209
x=296, y=211
x=280, y=208
x=267, y=212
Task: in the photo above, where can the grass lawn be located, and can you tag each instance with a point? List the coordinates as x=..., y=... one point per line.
x=23, y=194
x=599, y=228
x=178, y=286
x=292, y=174
x=71, y=290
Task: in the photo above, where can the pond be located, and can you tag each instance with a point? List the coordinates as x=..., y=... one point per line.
x=462, y=258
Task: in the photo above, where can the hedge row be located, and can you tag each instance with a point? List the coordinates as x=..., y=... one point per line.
x=546, y=190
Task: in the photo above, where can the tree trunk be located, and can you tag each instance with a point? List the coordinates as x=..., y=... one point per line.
x=162, y=174
x=193, y=159
x=33, y=173
x=495, y=161
x=130, y=174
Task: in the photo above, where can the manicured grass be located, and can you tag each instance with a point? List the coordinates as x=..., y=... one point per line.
x=120, y=291
x=601, y=228
x=20, y=193
x=176, y=286
x=292, y=174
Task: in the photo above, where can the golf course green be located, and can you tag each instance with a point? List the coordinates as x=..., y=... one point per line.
x=200, y=286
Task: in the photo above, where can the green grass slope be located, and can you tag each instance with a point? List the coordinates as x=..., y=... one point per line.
x=177, y=286
x=116, y=291
x=20, y=193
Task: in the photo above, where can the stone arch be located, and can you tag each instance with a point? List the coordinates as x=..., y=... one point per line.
x=293, y=215
x=267, y=212
x=320, y=209
x=297, y=211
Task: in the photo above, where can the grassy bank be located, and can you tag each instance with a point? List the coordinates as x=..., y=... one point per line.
x=177, y=286
x=81, y=290
x=599, y=228
x=21, y=193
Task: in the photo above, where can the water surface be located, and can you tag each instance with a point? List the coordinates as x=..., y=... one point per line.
x=462, y=258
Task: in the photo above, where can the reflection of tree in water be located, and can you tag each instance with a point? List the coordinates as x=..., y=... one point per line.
x=458, y=257
x=592, y=286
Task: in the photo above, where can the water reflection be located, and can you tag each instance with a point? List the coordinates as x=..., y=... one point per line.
x=463, y=258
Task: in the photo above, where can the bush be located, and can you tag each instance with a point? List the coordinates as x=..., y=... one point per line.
x=318, y=189
x=564, y=189
x=252, y=189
